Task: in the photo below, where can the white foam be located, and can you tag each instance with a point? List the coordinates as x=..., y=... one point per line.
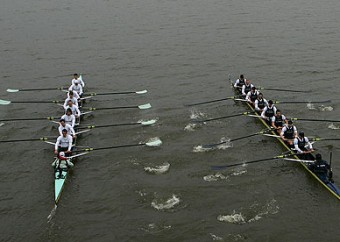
x=199, y=148
x=168, y=204
x=235, y=218
x=158, y=169
x=323, y=108
x=332, y=126
x=215, y=237
x=190, y=127
x=194, y=114
x=2, y=124
x=215, y=177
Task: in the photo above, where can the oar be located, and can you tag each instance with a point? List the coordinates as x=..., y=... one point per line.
x=7, y=102
x=26, y=119
x=115, y=93
x=246, y=162
x=278, y=89
x=26, y=140
x=322, y=139
x=212, y=101
x=292, y=102
x=316, y=120
x=35, y=89
x=223, y=117
x=143, y=123
x=153, y=143
x=144, y=106
x=232, y=140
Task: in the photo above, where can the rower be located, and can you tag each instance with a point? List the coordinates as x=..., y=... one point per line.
x=288, y=133
x=76, y=87
x=75, y=94
x=303, y=147
x=322, y=169
x=69, y=118
x=76, y=78
x=75, y=110
x=268, y=112
x=61, y=163
x=252, y=95
x=239, y=82
x=260, y=103
x=63, y=125
x=71, y=97
x=246, y=87
x=278, y=121
x=64, y=143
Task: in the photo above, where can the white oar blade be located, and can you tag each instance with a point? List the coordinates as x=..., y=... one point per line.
x=50, y=143
x=12, y=90
x=4, y=102
x=148, y=122
x=142, y=92
x=84, y=113
x=73, y=156
x=145, y=106
x=153, y=143
x=83, y=131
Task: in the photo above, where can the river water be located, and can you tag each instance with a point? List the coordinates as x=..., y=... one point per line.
x=181, y=52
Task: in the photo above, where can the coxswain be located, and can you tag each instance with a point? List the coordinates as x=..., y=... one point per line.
x=77, y=78
x=76, y=87
x=268, y=112
x=239, y=82
x=252, y=95
x=246, y=87
x=322, y=169
x=303, y=147
x=260, y=103
x=71, y=97
x=75, y=110
x=288, y=133
x=62, y=163
x=278, y=121
x=64, y=143
x=63, y=125
x=69, y=118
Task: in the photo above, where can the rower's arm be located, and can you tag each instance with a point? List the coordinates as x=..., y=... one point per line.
x=296, y=146
x=57, y=144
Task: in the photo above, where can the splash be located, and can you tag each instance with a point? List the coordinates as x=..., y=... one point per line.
x=155, y=141
x=194, y=114
x=2, y=124
x=215, y=237
x=332, y=126
x=200, y=148
x=323, y=108
x=311, y=106
x=154, y=228
x=254, y=213
x=225, y=144
x=215, y=177
x=190, y=127
x=222, y=145
x=168, y=204
x=158, y=169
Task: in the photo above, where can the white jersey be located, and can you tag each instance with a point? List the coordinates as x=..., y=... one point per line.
x=244, y=89
x=75, y=110
x=284, y=129
x=69, y=119
x=249, y=95
x=79, y=80
x=76, y=88
x=68, y=127
x=238, y=84
x=74, y=100
x=296, y=144
x=273, y=119
x=64, y=142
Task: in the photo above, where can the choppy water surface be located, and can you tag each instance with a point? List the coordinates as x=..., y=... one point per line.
x=181, y=52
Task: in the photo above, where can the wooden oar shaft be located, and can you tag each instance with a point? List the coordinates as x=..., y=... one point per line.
x=111, y=147
x=224, y=117
x=123, y=107
x=107, y=125
x=316, y=120
x=53, y=101
x=242, y=163
x=26, y=119
x=24, y=140
x=212, y=101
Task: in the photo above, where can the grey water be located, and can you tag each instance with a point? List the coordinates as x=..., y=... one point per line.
x=182, y=52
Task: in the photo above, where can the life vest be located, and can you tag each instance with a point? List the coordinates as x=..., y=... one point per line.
x=289, y=134
x=261, y=104
x=301, y=143
x=253, y=96
x=270, y=112
x=241, y=82
x=278, y=121
x=247, y=88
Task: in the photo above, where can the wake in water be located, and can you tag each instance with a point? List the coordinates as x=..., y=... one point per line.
x=154, y=228
x=194, y=115
x=321, y=108
x=158, y=169
x=52, y=214
x=161, y=204
x=254, y=213
x=332, y=126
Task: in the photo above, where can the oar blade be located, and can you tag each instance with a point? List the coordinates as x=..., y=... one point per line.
x=154, y=142
x=142, y=92
x=148, y=122
x=12, y=90
x=144, y=106
x=4, y=102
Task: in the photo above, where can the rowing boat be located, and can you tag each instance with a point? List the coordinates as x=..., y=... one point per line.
x=324, y=181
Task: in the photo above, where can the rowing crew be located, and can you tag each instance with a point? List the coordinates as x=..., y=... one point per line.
x=284, y=127
x=67, y=134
